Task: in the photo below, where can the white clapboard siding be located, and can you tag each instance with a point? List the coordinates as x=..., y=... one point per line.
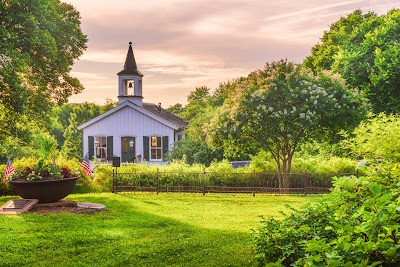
x=127, y=122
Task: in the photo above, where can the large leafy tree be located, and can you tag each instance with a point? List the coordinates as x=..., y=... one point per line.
x=72, y=147
x=198, y=111
x=39, y=41
x=15, y=132
x=197, y=100
x=364, y=49
x=343, y=32
x=281, y=107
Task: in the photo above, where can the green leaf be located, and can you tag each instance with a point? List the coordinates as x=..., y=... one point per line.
x=375, y=189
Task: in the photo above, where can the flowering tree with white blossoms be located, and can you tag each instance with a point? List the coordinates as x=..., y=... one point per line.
x=282, y=106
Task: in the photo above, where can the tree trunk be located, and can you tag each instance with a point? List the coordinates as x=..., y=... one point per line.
x=283, y=158
x=278, y=163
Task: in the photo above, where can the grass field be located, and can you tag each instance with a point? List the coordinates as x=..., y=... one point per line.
x=143, y=230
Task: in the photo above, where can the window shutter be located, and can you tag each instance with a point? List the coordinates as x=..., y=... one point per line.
x=146, y=148
x=165, y=145
x=91, y=147
x=110, y=150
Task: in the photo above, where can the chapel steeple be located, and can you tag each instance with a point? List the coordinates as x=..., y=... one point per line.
x=130, y=80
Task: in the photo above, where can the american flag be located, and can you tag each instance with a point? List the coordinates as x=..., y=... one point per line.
x=9, y=170
x=86, y=166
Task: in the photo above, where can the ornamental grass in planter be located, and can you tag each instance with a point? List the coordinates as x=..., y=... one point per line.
x=45, y=181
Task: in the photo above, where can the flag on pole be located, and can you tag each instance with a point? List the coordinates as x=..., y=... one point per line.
x=9, y=170
x=86, y=166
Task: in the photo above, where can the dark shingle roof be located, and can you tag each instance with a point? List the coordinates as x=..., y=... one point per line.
x=165, y=114
x=130, y=67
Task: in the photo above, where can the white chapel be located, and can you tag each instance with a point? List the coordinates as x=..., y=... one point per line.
x=133, y=130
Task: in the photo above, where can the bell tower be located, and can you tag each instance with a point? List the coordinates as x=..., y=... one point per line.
x=130, y=81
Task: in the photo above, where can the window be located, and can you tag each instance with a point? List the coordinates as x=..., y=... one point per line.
x=155, y=147
x=100, y=146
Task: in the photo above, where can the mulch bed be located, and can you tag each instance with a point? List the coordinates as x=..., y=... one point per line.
x=63, y=206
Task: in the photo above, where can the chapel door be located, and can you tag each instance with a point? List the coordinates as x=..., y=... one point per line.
x=128, y=148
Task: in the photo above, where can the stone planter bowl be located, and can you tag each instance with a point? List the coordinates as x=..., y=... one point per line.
x=45, y=191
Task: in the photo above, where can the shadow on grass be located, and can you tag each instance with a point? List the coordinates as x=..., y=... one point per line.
x=120, y=236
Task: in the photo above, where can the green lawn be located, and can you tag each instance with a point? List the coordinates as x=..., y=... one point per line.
x=143, y=230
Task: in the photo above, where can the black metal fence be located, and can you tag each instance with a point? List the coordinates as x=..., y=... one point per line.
x=211, y=182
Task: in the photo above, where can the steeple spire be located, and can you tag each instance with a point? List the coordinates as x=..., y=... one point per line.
x=130, y=67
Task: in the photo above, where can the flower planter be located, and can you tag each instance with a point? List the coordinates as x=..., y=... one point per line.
x=45, y=191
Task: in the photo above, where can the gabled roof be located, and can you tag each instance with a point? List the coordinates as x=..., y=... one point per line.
x=130, y=67
x=165, y=114
x=153, y=111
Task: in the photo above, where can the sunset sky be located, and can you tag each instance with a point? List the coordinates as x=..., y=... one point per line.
x=183, y=44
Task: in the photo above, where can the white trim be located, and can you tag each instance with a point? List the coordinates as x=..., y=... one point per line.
x=133, y=106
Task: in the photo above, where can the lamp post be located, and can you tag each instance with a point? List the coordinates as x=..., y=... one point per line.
x=131, y=143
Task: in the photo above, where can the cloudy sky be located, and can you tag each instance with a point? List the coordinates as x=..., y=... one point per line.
x=183, y=44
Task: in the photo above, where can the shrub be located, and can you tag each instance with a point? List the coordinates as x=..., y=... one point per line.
x=102, y=178
x=375, y=138
x=262, y=162
x=222, y=167
x=357, y=225
x=320, y=164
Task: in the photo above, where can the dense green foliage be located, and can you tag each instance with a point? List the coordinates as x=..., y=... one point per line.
x=71, y=142
x=63, y=127
x=375, y=138
x=142, y=230
x=364, y=49
x=199, y=110
x=281, y=107
x=340, y=33
x=223, y=172
x=357, y=225
x=39, y=42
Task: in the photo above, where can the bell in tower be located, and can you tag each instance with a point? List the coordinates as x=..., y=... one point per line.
x=129, y=86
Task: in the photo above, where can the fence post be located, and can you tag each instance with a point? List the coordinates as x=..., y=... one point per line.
x=357, y=173
x=305, y=182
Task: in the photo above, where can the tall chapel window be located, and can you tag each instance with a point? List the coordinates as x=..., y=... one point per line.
x=156, y=147
x=100, y=144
